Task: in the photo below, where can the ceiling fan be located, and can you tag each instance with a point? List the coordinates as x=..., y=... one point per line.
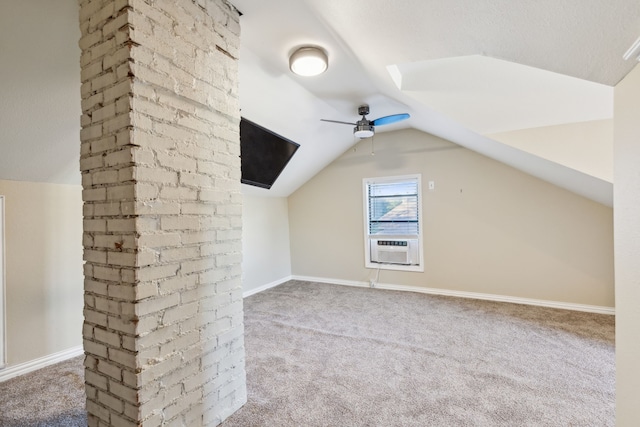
x=365, y=128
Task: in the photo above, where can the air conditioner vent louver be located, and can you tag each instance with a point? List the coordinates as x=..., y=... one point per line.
x=391, y=257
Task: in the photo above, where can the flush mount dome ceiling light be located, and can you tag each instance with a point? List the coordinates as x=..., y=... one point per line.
x=308, y=61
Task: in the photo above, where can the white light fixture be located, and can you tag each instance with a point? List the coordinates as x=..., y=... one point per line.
x=308, y=61
x=363, y=130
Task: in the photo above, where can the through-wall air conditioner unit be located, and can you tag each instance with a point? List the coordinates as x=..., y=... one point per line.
x=396, y=251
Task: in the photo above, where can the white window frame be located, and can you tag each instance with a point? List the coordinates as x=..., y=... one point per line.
x=367, y=237
x=3, y=335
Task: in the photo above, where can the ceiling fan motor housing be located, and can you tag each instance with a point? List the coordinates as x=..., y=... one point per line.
x=364, y=128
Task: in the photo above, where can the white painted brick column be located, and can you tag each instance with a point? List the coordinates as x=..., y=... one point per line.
x=163, y=331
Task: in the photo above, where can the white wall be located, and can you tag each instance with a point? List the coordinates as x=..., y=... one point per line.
x=44, y=280
x=584, y=146
x=2, y=297
x=265, y=241
x=488, y=228
x=40, y=91
x=627, y=247
x=39, y=142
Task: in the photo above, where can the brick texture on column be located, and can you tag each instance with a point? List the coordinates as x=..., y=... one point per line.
x=163, y=330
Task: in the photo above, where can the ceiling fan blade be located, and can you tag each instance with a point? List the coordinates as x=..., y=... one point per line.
x=387, y=120
x=337, y=121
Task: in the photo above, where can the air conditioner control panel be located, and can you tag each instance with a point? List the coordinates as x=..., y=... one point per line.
x=392, y=243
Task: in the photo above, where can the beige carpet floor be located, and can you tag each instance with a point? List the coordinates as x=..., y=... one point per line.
x=53, y=396
x=327, y=355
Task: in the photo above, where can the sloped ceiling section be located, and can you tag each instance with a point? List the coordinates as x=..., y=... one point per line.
x=491, y=95
x=294, y=116
x=463, y=69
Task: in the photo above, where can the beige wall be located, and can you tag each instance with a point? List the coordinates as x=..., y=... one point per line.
x=584, y=146
x=44, y=282
x=265, y=241
x=627, y=247
x=488, y=228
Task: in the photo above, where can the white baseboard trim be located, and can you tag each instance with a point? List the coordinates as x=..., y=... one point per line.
x=461, y=294
x=265, y=287
x=41, y=362
x=332, y=281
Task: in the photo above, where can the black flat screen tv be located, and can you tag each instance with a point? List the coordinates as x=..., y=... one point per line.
x=264, y=154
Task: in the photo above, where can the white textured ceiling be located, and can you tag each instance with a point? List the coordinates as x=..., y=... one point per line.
x=491, y=95
x=532, y=64
x=575, y=46
x=579, y=38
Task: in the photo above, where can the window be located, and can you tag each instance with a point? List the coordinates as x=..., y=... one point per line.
x=393, y=226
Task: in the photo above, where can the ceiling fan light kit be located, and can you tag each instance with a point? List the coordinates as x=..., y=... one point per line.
x=308, y=61
x=363, y=130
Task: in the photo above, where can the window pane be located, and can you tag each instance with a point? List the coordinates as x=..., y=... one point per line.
x=393, y=207
x=393, y=228
x=393, y=188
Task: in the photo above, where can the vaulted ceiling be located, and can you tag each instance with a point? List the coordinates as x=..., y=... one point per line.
x=465, y=70
x=470, y=71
